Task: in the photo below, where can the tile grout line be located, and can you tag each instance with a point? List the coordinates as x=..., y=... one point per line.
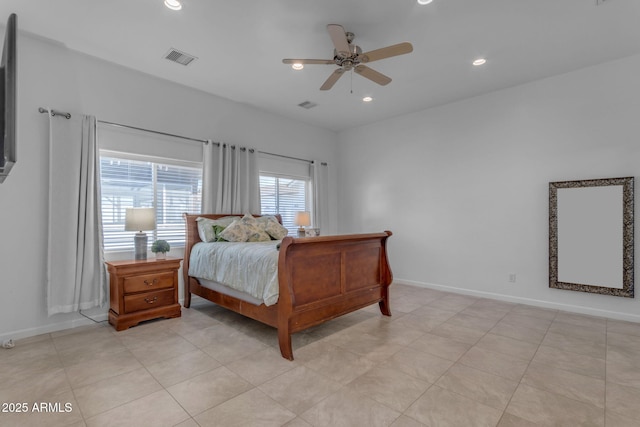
x=469, y=349
x=454, y=363
x=528, y=364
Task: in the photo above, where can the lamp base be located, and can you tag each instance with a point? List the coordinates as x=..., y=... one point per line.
x=301, y=232
x=140, y=242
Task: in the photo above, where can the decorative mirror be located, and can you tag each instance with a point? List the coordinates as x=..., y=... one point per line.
x=591, y=236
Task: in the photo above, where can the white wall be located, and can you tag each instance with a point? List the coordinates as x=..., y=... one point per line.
x=464, y=187
x=51, y=75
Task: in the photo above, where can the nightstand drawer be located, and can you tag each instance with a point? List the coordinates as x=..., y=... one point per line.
x=148, y=282
x=148, y=300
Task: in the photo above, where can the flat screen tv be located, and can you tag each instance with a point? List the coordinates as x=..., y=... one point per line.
x=8, y=68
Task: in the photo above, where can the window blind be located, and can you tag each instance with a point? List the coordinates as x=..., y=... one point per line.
x=126, y=183
x=284, y=196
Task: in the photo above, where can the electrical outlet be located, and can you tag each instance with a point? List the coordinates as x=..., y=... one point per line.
x=599, y=2
x=512, y=278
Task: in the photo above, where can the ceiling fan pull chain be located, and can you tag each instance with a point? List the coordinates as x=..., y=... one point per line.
x=355, y=54
x=351, y=82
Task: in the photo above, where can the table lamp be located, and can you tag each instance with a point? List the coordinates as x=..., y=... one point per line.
x=303, y=219
x=139, y=219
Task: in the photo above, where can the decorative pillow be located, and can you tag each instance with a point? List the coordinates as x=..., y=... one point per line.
x=206, y=229
x=235, y=232
x=257, y=233
x=217, y=229
x=245, y=229
x=273, y=228
x=259, y=236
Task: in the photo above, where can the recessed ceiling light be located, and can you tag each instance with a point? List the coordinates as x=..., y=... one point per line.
x=173, y=4
x=423, y=2
x=297, y=67
x=479, y=61
x=367, y=99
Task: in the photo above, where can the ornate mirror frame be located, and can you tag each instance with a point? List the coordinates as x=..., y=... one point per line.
x=574, y=222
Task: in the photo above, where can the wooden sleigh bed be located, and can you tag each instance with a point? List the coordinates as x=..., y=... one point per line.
x=319, y=279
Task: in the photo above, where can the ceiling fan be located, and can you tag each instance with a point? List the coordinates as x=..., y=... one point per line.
x=349, y=57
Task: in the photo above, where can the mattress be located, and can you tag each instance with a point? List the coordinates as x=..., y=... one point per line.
x=250, y=268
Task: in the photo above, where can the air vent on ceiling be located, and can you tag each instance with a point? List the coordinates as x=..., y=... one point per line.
x=180, y=57
x=307, y=104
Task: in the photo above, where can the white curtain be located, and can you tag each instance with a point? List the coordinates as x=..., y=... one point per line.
x=320, y=176
x=231, y=179
x=76, y=276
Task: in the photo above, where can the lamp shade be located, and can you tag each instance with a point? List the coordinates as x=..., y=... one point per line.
x=303, y=218
x=139, y=219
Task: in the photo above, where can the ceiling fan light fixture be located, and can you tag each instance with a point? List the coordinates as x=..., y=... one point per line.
x=424, y=2
x=367, y=99
x=297, y=66
x=479, y=61
x=173, y=4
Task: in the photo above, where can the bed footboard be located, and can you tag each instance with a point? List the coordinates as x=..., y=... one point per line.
x=321, y=278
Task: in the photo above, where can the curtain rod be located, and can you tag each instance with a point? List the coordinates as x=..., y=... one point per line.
x=205, y=141
x=68, y=116
x=120, y=125
x=286, y=157
x=55, y=113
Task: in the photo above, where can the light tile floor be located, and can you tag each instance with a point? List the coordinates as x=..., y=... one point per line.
x=442, y=360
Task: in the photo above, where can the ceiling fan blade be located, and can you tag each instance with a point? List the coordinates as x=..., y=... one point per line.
x=387, y=52
x=333, y=78
x=308, y=61
x=372, y=75
x=339, y=38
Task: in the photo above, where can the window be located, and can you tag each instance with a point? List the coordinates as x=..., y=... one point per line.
x=284, y=196
x=132, y=181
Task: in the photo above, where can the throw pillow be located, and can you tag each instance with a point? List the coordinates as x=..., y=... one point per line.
x=273, y=228
x=206, y=229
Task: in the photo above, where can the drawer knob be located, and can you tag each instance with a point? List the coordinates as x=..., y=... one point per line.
x=151, y=301
x=153, y=282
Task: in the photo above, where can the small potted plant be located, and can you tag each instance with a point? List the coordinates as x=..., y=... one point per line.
x=160, y=248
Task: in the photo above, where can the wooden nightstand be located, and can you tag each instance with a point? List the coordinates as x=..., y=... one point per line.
x=143, y=290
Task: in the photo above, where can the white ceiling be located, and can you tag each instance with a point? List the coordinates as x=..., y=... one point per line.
x=240, y=45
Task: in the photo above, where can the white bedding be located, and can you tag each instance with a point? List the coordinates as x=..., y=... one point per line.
x=251, y=268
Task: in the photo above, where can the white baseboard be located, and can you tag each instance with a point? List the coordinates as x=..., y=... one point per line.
x=51, y=327
x=94, y=315
x=527, y=301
